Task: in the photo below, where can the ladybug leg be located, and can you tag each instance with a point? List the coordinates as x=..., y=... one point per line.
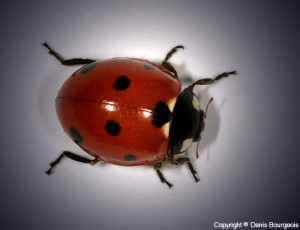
x=73, y=157
x=68, y=62
x=158, y=166
x=181, y=161
x=208, y=81
x=167, y=64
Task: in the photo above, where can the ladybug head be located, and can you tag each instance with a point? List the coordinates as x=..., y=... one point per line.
x=188, y=122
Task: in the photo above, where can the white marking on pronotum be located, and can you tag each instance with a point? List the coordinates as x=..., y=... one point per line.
x=196, y=103
x=186, y=144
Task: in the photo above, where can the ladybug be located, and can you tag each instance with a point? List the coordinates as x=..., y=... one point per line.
x=129, y=112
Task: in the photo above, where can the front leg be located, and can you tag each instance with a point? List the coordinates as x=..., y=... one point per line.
x=181, y=161
x=208, y=81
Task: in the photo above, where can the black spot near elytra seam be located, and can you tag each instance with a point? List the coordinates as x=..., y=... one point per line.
x=89, y=67
x=76, y=137
x=122, y=83
x=130, y=157
x=161, y=114
x=112, y=127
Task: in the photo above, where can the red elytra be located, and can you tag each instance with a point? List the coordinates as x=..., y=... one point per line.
x=88, y=100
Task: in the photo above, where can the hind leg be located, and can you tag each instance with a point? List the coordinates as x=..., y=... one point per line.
x=73, y=157
x=68, y=62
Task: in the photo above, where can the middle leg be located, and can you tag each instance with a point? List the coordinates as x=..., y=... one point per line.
x=158, y=166
x=167, y=64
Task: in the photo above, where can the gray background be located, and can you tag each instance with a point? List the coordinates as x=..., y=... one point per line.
x=249, y=155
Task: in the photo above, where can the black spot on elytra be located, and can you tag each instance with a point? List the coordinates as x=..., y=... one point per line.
x=161, y=114
x=112, y=127
x=149, y=67
x=89, y=67
x=76, y=137
x=130, y=157
x=122, y=83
